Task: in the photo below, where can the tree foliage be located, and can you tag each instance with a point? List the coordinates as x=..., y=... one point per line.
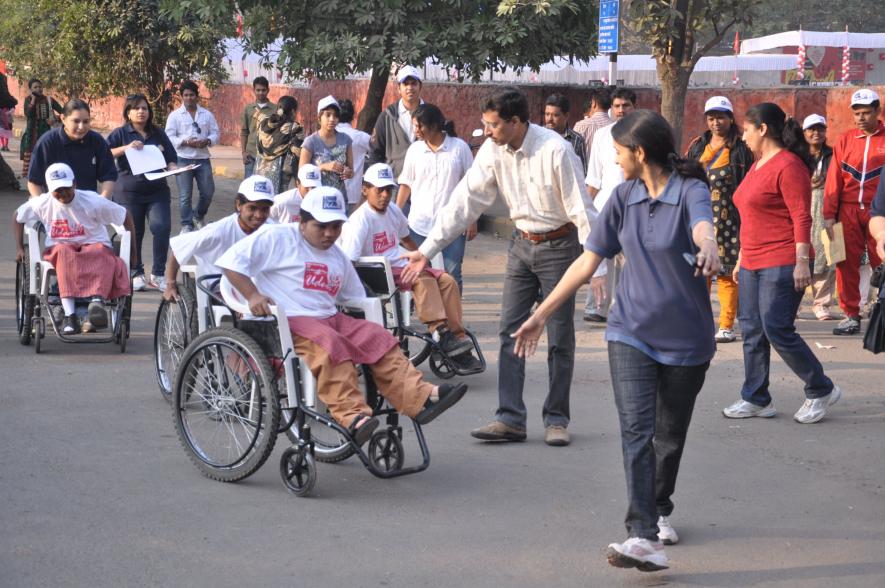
x=335, y=38
x=860, y=16
x=99, y=48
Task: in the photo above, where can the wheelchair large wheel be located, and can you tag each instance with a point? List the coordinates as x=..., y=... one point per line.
x=175, y=327
x=24, y=301
x=226, y=410
x=330, y=446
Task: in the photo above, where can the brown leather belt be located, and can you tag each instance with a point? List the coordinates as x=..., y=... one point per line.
x=536, y=238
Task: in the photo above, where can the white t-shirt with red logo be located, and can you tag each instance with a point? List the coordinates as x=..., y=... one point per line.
x=287, y=207
x=81, y=222
x=369, y=232
x=210, y=242
x=303, y=280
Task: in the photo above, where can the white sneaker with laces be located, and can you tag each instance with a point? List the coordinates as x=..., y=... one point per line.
x=744, y=410
x=725, y=336
x=138, y=283
x=639, y=553
x=815, y=409
x=666, y=532
x=158, y=282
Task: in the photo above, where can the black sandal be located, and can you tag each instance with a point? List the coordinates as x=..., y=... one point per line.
x=363, y=433
x=449, y=394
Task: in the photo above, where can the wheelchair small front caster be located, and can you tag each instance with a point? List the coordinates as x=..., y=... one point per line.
x=39, y=333
x=440, y=367
x=386, y=451
x=298, y=470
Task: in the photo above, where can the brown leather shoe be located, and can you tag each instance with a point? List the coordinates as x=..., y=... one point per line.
x=498, y=431
x=557, y=436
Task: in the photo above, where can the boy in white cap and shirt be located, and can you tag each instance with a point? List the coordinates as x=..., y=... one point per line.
x=306, y=274
x=852, y=180
x=254, y=199
x=287, y=205
x=77, y=245
x=393, y=130
x=378, y=227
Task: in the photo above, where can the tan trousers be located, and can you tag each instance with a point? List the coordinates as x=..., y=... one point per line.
x=438, y=301
x=823, y=289
x=397, y=379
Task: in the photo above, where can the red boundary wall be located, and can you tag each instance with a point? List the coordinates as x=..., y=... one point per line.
x=460, y=103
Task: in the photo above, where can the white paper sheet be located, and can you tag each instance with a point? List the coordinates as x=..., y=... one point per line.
x=147, y=159
x=163, y=174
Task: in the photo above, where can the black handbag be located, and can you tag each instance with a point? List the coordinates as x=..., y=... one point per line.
x=874, y=339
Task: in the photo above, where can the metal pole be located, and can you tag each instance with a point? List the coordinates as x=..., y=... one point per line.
x=612, y=69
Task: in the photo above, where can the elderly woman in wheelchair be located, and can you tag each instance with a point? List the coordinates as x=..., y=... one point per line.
x=78, y=260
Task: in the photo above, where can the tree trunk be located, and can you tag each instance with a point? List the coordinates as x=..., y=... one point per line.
x=674, y=87
x=374, y=97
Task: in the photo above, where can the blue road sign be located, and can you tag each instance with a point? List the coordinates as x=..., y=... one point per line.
x=609, y=11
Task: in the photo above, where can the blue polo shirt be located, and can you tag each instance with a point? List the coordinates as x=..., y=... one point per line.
x=139, y=187
x=90, y=158
x=660, y=307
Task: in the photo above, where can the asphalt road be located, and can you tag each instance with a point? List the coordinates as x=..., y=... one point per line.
x=95, y=489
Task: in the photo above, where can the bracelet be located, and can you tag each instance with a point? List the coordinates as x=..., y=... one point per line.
x=710, y=239
x=802, y=257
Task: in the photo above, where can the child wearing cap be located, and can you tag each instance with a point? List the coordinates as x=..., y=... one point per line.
x=307, y=275
x=287, y=206
x=255, y=196
x=378, y=227
x=328, y=148
x=394, y=130
x=77, y=245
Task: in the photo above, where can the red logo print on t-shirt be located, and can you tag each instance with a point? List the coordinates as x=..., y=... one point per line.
x=62, y=230
x=316, y=277
x=381, y=242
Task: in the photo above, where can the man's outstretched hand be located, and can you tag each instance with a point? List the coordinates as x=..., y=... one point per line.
x=417, y=263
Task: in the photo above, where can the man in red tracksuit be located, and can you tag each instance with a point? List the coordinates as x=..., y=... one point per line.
x=858, y=162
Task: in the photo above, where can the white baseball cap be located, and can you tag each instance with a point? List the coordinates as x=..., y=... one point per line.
x=59, y=175
x=255, y=188
x=309, y=176
x=864, y=97
x=327, y=102
x=379, y=175
x=718, y=104
x=325, y=204
x=407, y=71
x=813, y=120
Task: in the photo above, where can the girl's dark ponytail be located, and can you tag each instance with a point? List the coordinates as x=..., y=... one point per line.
x=785, y=131
x=794, y=140
x=687, y=168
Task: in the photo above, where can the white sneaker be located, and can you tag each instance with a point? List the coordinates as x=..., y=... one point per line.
x=639, y=553
x=666, y=532
x=158, y=282
x=744, y=410
x=725, y=336
x=138, y=283
x=185, y=229
x=815, y=409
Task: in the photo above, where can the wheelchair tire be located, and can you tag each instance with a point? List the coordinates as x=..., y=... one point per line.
x=39, y=333
x=440, y=367
x=386, y=451
x=24, y=302
x=124, y=334
x=298, y=469
x=226, y=410
x=174, y=329
x=415, y=348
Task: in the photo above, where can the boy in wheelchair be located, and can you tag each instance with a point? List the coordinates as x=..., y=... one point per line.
x=378, y=227
x=287, y=205
x=255, y=196
x=78, y=246
x=305, y=273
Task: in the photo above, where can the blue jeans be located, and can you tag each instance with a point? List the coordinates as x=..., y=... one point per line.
x=158, y=214
x=249, y=168
x=768, y=303
x=453, y=255
x=205, y=186
x=531, y=267
x=655, y=403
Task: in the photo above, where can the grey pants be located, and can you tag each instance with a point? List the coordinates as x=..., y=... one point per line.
x=530, y=267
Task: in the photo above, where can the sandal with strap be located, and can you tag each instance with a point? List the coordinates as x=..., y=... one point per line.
x=449, y=394
x=361, y=428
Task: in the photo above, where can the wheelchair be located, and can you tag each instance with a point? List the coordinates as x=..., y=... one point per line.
x=36, y=295
x=237, y=387
x=399, y=314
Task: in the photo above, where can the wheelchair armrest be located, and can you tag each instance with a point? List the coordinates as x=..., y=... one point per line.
x=370, y=307
x=125, y=242
x=233, y=298
x=188, y=268
x=375, y=261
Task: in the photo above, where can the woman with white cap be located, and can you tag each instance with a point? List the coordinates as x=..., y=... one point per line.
x=329, y=149
x=823, y=285
x=726, y=160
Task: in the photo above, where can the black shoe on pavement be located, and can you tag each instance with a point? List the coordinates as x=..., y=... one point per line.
x=593, y=317
x=451, y=345
x=849, y=326
x=70, y=325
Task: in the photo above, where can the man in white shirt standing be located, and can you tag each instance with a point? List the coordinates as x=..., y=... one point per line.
x=537, y=175
x=603, y=176
x=360, y=146
x=192, y=130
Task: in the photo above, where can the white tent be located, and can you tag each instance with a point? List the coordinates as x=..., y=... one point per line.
x=813, y=39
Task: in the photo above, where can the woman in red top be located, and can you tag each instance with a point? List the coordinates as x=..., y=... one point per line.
x=774, y=265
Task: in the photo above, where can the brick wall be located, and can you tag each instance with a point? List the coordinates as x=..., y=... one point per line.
x=460, y=103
